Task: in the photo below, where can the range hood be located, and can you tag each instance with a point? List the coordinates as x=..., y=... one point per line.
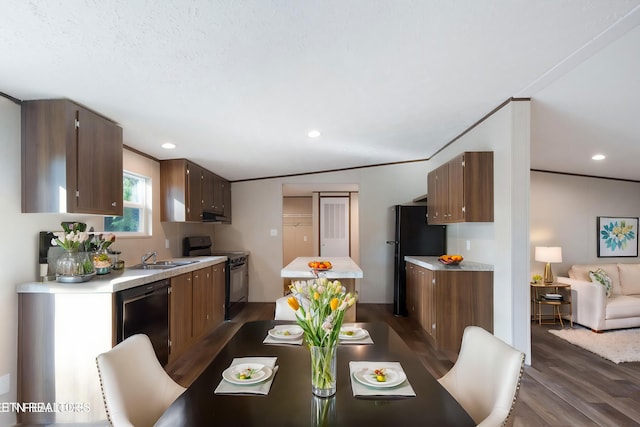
x=212, y=217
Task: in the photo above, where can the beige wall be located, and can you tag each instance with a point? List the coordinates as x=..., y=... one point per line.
x=564, y=211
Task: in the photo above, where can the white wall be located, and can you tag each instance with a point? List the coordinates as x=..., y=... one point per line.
x=564, y=211
x=503, y=243
x=257, y=208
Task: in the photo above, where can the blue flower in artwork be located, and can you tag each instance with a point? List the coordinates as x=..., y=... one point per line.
x=617, y=235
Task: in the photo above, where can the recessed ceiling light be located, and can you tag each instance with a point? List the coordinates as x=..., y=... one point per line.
x=598, y=157
x=314, y=133
x=168, y=146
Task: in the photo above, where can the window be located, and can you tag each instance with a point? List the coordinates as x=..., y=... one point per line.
x=136, y=211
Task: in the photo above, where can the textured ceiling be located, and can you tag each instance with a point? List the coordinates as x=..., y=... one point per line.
x=237, y=85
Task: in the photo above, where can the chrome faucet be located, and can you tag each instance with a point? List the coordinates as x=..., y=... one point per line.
x=148, y=255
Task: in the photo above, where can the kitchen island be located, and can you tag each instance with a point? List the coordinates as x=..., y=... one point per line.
x=343, y=269
x=62, y=327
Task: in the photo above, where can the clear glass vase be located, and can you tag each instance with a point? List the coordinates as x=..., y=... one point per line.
x=70, y=263
x=101, y=261
x=74, y=263
x=323, y=370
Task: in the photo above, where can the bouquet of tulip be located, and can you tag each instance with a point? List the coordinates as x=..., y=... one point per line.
x=326, y=302
x=73, y=236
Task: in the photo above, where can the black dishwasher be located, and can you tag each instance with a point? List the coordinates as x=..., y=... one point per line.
x=145, y=310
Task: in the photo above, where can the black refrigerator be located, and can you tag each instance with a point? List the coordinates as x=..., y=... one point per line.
x=413, y=236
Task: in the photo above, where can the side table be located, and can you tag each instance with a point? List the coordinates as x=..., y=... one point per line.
x=538, y=292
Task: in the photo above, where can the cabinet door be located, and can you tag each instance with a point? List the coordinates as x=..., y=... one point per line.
x=218, y=287
x=218, y=194
x=410, y=292
x=478, y=186
x=201, y=301
x=194, y=192
x=99, y=179
x=442, y=194
x=226, y=201
x=463, y=298
x=456, y=189
x=180, y=331
x=429, y=307
x=432, y=198
x=419, y=296
x=208, y=191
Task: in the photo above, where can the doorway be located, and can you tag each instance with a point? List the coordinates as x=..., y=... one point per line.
x=334, y=226
x=301, y=221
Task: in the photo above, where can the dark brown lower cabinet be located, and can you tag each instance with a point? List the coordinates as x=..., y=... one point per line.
x=444, y=302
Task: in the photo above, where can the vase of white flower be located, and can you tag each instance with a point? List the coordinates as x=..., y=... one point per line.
x=74, y=262
x=321, y=321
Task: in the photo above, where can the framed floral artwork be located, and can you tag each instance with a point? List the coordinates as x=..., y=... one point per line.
x=617, y=236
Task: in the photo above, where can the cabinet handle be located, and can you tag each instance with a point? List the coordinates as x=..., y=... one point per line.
x=114, y=204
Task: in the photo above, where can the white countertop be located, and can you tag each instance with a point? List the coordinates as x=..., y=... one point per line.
x=343, y=268
x=119, y=280
x=432, y=263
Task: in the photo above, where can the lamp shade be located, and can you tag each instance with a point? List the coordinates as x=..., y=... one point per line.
x=548, y=254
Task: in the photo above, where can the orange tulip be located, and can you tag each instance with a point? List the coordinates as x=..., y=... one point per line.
x=334, y=304
x=293, y=303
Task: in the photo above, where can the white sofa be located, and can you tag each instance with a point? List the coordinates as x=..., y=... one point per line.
x=591, y=306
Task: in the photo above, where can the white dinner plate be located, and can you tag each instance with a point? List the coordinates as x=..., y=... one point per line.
x=286, y=332
x=352, y=333
x=553, y=296
x=260, y=373
x=367, y=377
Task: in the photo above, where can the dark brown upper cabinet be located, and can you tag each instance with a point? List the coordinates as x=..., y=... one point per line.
x=191, y=193
x=461, y=190
x=71, y=159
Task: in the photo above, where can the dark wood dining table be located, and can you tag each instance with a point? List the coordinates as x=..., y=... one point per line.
x=290, y=401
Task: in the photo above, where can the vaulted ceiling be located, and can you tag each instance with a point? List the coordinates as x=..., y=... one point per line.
x=236, y=86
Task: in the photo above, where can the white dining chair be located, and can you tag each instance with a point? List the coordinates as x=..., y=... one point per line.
x=485, y=379
x=135, y=388
x=284, y=312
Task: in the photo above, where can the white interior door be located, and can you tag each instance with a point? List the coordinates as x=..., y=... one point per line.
x=334, y=226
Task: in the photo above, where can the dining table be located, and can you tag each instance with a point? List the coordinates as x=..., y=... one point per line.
x=289, y=400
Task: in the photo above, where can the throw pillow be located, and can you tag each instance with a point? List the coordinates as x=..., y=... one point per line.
x=601, y=277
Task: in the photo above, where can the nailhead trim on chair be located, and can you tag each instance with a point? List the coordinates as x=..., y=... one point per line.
x=104, y=398
x=515, y=395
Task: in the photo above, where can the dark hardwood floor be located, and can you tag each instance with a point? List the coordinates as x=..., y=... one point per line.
x=564, y=386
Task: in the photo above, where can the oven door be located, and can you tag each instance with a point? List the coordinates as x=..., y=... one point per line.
x=238, y=286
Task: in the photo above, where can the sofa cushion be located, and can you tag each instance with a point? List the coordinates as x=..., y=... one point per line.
x=622, y=306
x=581, y=272
x=601, y=277
x=630, y=278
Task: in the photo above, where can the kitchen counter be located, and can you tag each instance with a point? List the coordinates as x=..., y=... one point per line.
x=432, y=263
x=119, y=280
x=343, y=268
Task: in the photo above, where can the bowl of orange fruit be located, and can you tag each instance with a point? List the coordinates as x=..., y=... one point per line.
x=320, y=265
x=450, y=259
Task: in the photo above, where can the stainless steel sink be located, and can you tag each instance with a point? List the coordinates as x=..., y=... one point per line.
x=162, y=265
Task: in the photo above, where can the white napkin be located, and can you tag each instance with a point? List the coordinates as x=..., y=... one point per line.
x=402, y=389
x=271, y=340
x=226, y=387
x=365, y=340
